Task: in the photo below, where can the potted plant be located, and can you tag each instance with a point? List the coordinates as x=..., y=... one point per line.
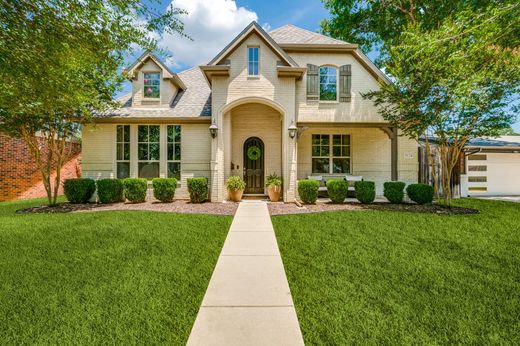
x=274, y=187
x=235, y=186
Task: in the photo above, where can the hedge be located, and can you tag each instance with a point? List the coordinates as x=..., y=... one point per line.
x=164, y=189
x=337, y=190
x=420, y=193
x=365, y=191
x=198, y=189
x=135, y=189
x=110, y=190
x=308, y=190
x=394, y=191
x=79, y=190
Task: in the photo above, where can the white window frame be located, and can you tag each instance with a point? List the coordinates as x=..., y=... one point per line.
x=320, y=83
x=253, y=61
x=148, y=142
x=144, y=85
x=331, y=156
x=174, y=143
x=118, y=143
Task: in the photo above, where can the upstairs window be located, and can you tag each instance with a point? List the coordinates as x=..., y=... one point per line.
x=152, y=85
x=328, y=83
x=252, y=68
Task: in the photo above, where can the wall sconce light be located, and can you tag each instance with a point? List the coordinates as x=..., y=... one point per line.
x=213, y=129
x=293, y=130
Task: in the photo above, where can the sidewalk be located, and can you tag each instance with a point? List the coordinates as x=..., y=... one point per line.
x=248, y=301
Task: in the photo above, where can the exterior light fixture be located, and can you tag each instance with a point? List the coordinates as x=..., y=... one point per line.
x=213, y=129
x=293, y=130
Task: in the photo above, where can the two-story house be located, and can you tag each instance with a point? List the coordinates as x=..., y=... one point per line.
x=287, y=102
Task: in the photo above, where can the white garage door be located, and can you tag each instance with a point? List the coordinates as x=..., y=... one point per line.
x=493, y=174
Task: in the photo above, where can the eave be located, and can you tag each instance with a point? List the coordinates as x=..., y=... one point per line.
x=210, y=71
x=151, y=120
x=287, y=71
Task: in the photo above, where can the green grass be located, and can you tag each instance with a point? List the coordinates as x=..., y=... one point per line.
x=104, y=277
x=396, y=278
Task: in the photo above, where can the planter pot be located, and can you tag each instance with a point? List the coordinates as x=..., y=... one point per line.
x=235, y=196
x=274, y=193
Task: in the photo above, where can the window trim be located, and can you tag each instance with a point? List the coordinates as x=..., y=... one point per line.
x=137, y=146
x=319, y=84
x=129, y=148
x=147, y=98
x=257, y=62
x=179, y=161
x=331, y=156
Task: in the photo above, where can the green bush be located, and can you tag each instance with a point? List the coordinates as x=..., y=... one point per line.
x=198, y=189
x=365, y=191
x=337, y=190
x=394, y=191
x=110, y=190
x=164, y=189
x=420, y=193
x=308, y=190
x=235, y=183
x=135, y=189
x=273, y=180
x=79, y=190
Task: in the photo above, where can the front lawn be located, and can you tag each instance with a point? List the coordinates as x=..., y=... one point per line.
x=104, y=277
x=374, y=277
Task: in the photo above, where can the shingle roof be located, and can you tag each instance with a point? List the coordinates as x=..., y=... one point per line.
x=195, y=101
x=290, y=34
x=502, y=141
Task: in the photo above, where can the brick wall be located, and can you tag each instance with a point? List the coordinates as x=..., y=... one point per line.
x=19, y=175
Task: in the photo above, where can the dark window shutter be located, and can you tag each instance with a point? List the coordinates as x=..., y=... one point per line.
x=345, y=81
x=313, y=82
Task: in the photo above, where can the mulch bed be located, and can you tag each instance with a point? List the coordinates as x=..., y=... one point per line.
x=292, y=208
x=178, y=206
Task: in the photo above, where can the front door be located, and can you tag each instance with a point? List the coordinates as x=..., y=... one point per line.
x=254, y=165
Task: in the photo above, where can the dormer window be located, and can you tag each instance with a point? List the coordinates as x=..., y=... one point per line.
x=328, y=83
x=152, y=85
x=252, y=67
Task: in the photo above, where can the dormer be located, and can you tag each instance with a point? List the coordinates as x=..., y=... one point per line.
x=153, y=83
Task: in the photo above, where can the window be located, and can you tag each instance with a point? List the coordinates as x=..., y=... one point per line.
x=331, y=154
x=148, y=150
x=477, y=179
x=123, y=151
x=477, y=168
x=477, y=157
x=174, y=151
x=152, y=85
x=252, y=68
x=328, y=85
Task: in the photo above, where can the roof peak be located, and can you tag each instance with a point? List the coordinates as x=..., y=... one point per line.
x=292, y=34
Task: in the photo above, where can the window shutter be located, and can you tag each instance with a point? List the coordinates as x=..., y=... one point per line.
x=313, y=82
x=345, y=81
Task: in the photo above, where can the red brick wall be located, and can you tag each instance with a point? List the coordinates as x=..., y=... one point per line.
x=19, y=176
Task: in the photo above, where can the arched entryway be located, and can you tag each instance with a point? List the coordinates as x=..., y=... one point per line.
x=254, y=171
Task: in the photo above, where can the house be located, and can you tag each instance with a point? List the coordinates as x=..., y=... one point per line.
x=287, y=102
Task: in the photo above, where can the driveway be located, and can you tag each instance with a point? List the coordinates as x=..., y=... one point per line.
x=502, y=198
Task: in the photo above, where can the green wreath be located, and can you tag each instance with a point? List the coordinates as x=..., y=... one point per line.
x=254, y=153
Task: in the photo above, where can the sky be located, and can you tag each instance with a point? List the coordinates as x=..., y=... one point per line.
x=212, y=24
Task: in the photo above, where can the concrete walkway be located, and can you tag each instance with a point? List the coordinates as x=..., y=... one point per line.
x=248, y=301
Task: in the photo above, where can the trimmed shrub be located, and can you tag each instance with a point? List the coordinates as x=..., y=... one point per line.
x=198, y=189
x=235, y=183
x=420, y=193
x=308, y=190
x=79, y=190
x=365, y=191
x=337, y=190
x=110, y=190
x=164, y=189
x=394, y=191
x=135, y=189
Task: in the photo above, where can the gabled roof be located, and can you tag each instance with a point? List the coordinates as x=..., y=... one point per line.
x=253, y=28
x=290, y=34
x=167, y=73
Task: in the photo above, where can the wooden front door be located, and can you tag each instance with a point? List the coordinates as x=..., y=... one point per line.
x=254, y=165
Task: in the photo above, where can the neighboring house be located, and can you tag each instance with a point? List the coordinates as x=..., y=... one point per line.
x=293, y=94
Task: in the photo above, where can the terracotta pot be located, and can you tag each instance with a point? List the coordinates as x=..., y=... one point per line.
x=274, y=193
x=235, y=196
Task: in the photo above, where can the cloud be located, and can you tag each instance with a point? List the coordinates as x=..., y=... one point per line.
x=212, y=24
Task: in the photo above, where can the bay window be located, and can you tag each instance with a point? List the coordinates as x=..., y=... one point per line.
x=331, y=154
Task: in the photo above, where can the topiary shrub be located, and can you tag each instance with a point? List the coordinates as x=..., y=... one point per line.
x=308, y=190
x=135, y=189
x=394, y=191
x=198, y=189
x=337, y=190
x=110, y=190
x=164, y=189
x=79, y=190
x=365, y=191
x=420, y=193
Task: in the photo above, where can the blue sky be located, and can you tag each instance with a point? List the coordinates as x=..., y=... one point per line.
x=214, y=23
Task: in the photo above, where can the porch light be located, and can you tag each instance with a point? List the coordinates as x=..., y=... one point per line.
x=293, y=130
x=213, y=130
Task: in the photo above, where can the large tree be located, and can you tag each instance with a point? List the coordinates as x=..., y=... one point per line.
x=60, y=62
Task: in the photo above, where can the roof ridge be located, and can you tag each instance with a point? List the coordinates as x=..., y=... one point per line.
x=307, y=30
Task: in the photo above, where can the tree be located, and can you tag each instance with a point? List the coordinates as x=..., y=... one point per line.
x=454, y=83
x=60, y=62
